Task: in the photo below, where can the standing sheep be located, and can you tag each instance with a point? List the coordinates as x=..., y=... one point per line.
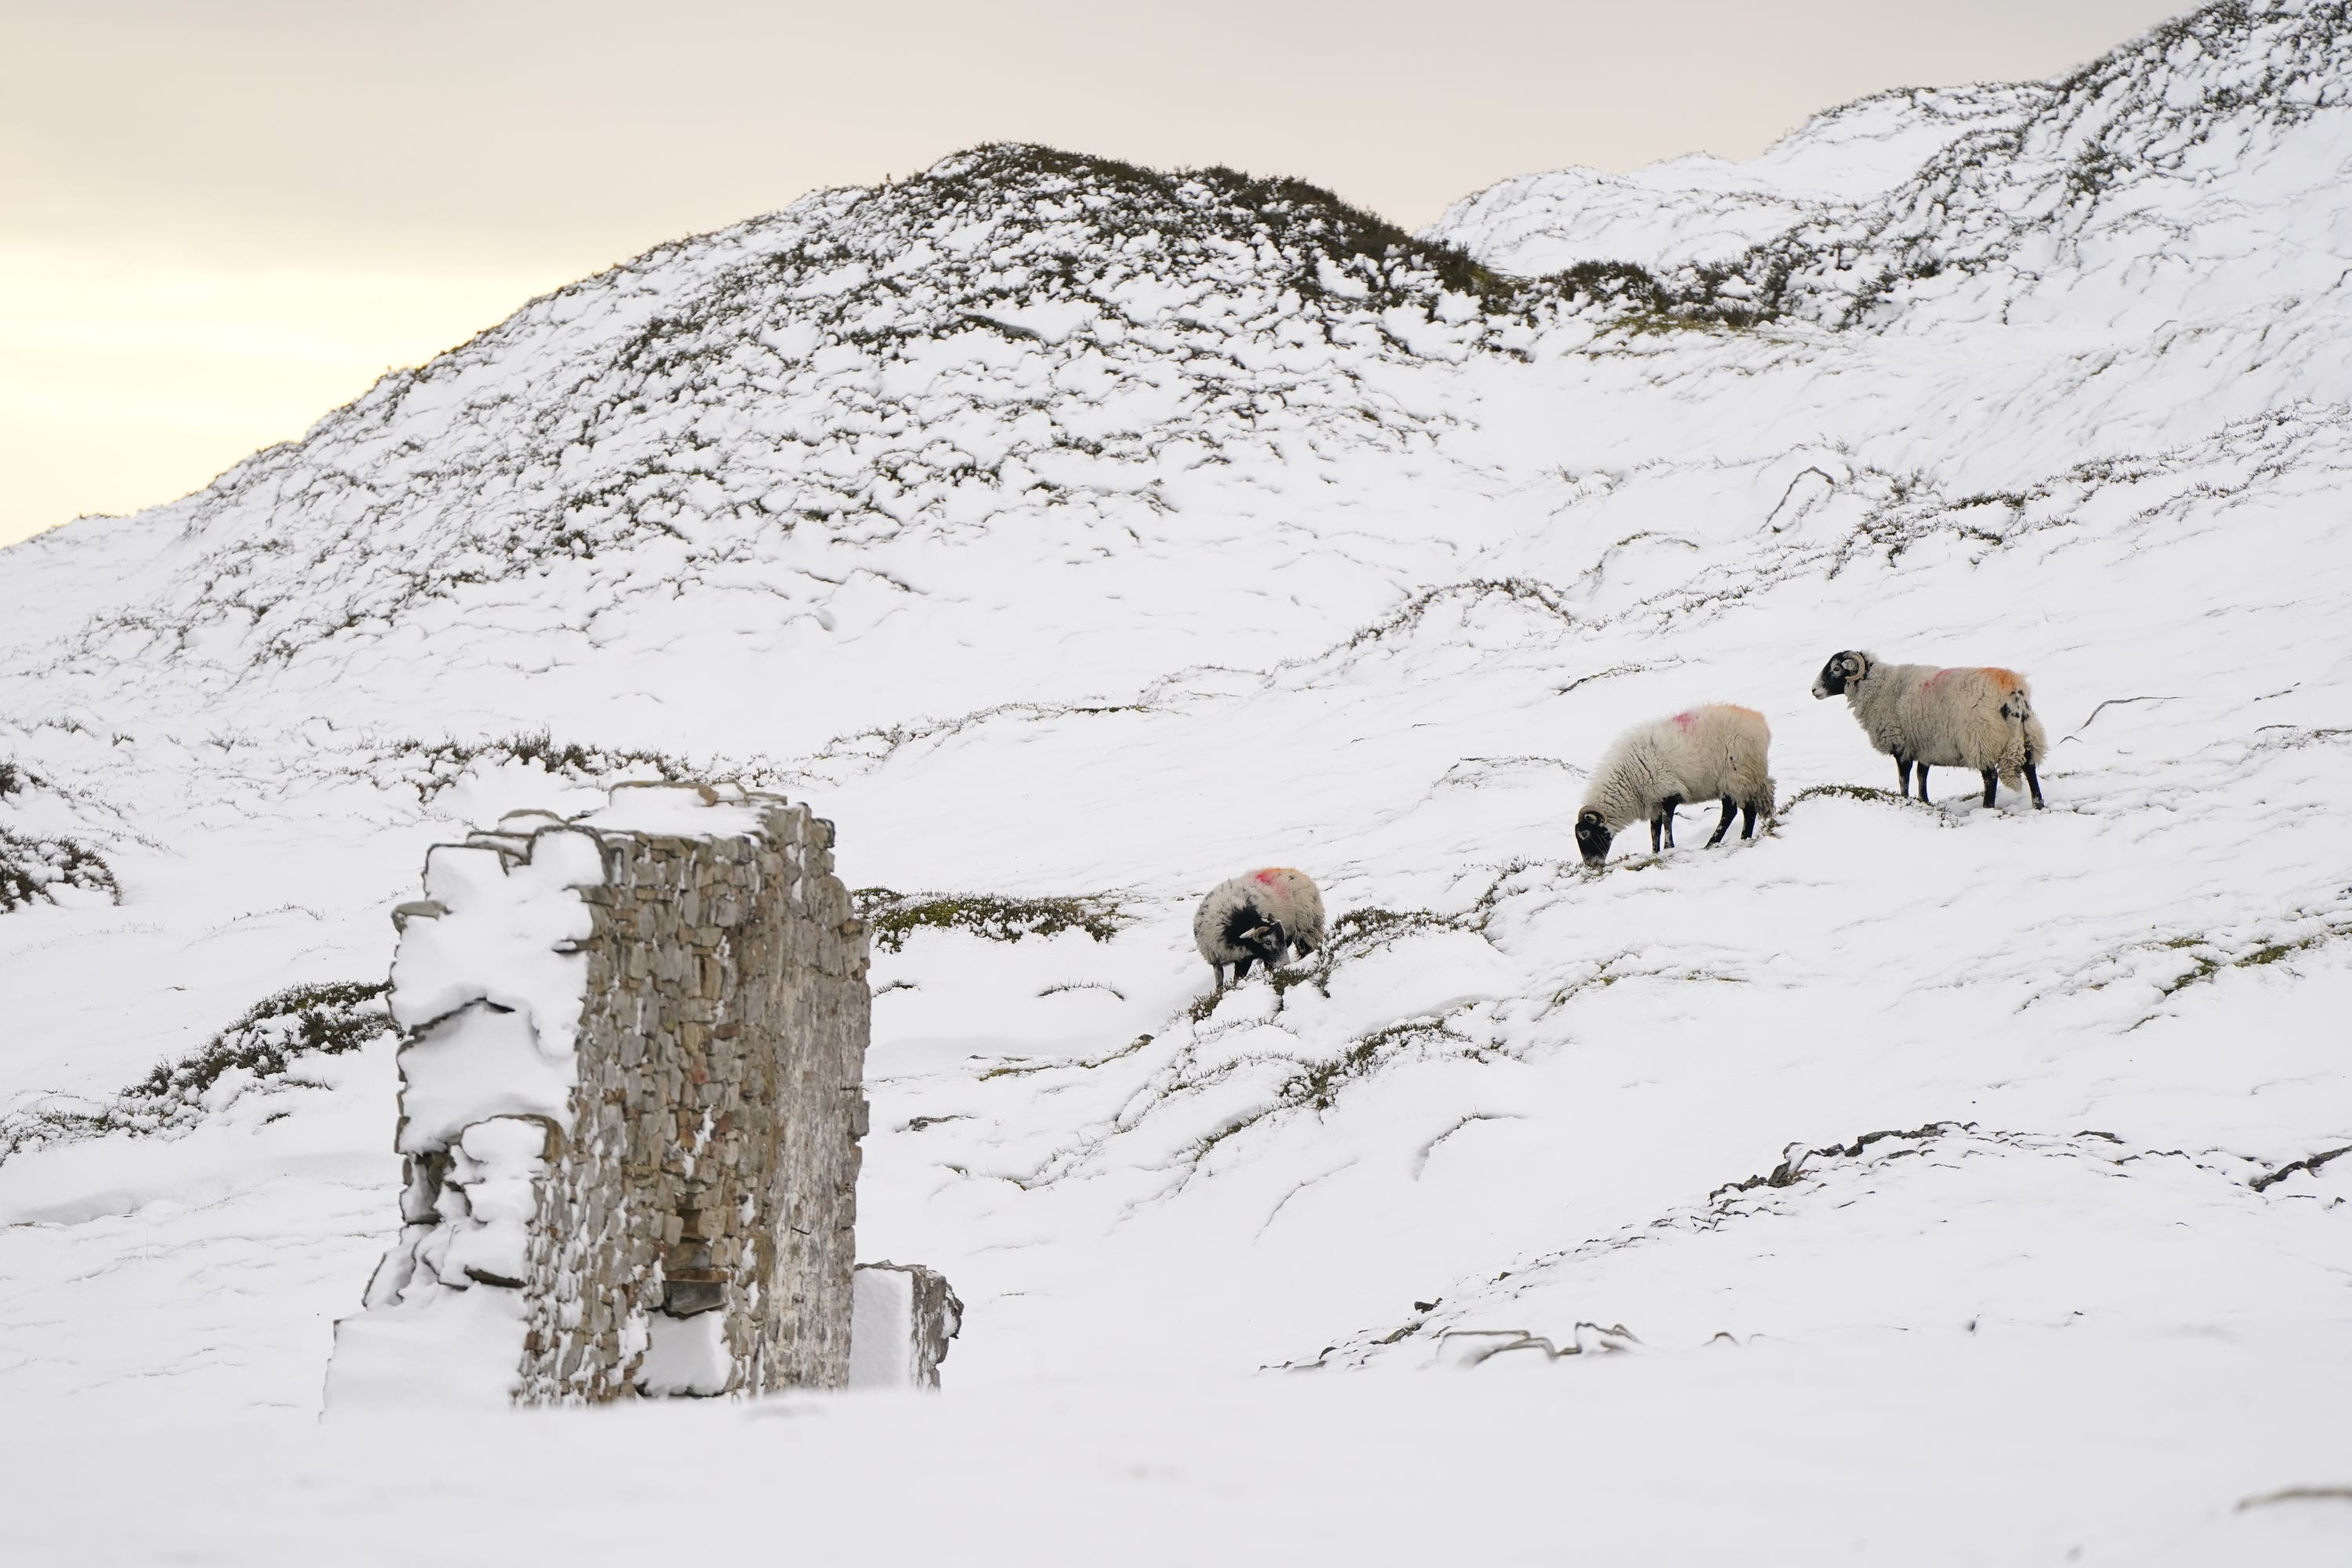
x=1981, y=719
x=1257, y=917
x=1714, y=753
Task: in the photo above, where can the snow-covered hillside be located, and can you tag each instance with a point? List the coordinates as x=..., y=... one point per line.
x=1075, y=535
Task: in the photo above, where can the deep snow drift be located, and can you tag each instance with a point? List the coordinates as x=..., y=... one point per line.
x=1070, y=531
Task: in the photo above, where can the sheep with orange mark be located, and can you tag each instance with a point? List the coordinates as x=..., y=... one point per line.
x=1714, y=753
x=1258, y=917
x=1977, y=719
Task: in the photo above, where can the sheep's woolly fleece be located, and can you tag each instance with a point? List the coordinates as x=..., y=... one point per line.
x=1717, y=751
x=1962, y=1183
x=1981, y=719
x=1238, y=923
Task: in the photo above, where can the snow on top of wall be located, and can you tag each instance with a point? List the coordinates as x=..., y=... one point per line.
x=685, y=811
x=497, y=929
x=485, y=976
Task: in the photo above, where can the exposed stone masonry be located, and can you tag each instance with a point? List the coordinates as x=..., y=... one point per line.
x=711, y=1166
x=631, y=1104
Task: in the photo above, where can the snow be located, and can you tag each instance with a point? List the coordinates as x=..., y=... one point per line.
x=1700, y=208
x=882, y=1329
x=500, y=937
x=494, y=1164
x=477, y=1063
x=685, y=1356
x=444, y=1324
x=677, y=811
x=460, y=1356
x=1217, y=563
x=486, y=983
x=2070, y=1453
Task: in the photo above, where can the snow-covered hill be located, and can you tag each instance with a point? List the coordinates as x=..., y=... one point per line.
x=1066, y=531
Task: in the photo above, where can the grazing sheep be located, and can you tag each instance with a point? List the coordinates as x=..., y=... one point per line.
x=1981, y=720
x=1714, y=753
x=1257, y=917
x=1297, y=904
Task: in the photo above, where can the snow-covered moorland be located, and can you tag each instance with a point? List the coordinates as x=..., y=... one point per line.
x=1957, y=1182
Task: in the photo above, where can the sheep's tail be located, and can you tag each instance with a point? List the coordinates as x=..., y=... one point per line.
x=2034, y=741
x=2024, y=729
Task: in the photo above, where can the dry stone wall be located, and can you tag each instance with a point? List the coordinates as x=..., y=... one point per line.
x=681, y=1219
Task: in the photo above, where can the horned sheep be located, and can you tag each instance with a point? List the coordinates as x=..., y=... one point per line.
x=1979, y=718
x=1258, y=917
x=1714, y=752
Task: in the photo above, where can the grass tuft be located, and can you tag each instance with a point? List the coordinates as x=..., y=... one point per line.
x=32, y=869
x=895, y=917
x=266, y=1041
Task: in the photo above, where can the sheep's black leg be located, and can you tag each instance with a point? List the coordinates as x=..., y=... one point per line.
x=1241, y=968
x=2036, y=786
x=1302, y=947
x=1748, y=820
x=1219, y=971
x=1667, y=808
x=1923, y=785
x=1730, y=807
x=1992, y=782
x=1657, y=826
x=1903, y=773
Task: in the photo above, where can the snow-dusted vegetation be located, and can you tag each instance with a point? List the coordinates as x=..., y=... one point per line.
x=1937, y=1182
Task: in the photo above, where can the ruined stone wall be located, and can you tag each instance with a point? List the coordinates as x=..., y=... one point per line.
x=711, y=1163
x=659, y=1198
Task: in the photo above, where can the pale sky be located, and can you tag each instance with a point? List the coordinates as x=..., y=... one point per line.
x=218, y=220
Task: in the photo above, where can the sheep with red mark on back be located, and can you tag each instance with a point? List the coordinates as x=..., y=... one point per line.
x=1258, y=917
x=1714, y=752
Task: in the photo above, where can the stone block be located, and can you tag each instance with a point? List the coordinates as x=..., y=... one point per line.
x=904, y=1316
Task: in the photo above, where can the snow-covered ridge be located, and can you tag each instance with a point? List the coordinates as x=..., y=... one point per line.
x=2181, y=166
x=1700, y=209
x=1016, y=325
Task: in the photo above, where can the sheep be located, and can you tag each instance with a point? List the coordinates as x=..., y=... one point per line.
x=1257, y=917
x=1979, y=719
x=1714, y=753
x=1298, y=903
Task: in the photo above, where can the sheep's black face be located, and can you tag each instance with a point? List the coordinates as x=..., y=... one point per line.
x=1592, y=837
x=1252, y=930
x=1267, y=941
x=1843, y=668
